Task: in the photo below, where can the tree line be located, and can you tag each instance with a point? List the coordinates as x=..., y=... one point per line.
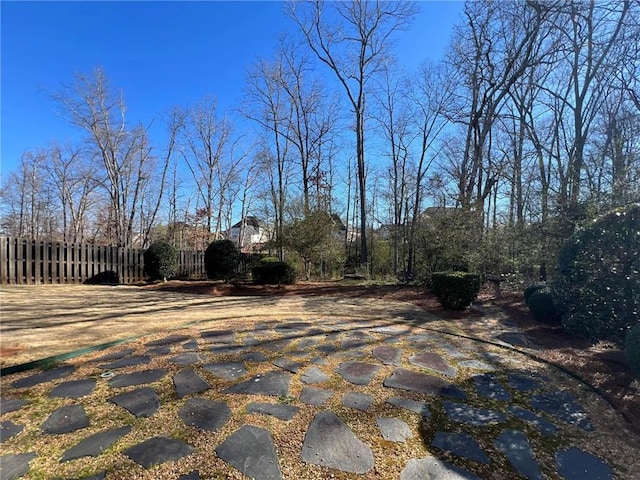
x=486, y=160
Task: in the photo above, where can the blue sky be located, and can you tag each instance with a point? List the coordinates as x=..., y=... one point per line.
x=160, y=54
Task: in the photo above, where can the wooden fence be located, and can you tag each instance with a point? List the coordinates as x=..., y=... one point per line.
x=25, y=261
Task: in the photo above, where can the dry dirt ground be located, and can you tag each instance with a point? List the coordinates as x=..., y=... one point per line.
x=42, y=321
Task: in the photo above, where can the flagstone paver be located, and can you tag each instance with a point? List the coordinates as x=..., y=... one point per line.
x=65, y=419
x=331, y=443
x=9, y=429
x=205, y=414
x=396, y=355
x=74, y=388
x=137, y=378
x=515, y=446
x=460, y=444
x=143, y=402
x=158, y=450
x=250, y=449
x=95, y=444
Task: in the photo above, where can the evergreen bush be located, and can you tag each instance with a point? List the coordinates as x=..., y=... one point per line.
x=598, y=277
x=542, y=306
x=455, y=290
x=531, y=289
x=160, y=261
x=271, y=271
x=221, y=259
x=632, y=349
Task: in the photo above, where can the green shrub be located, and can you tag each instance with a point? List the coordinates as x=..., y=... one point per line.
x=632, y=349
x=598, y=277
x=160, y=261
x=542, y=306
x=455, y=290
x=531, y=289
x=271, y=271
x=221, y=259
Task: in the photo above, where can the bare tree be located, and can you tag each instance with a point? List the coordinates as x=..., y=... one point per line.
x=353, y=40
x=124, y=154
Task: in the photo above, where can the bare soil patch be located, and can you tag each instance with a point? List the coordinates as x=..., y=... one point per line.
x=602, y=366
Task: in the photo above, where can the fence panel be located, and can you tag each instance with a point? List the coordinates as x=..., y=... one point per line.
x=27, y=261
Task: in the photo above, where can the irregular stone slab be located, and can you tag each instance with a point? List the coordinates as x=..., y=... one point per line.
x=318, y=361
x=227, y=349
x=158, y=450
x=471, y=415
x=277, y=346
x=315, y=331
x=353, y=342
x=358, y=373
x=433, y=361
x=65, y=419
x=171, y=339
x=74, y=388
x=292, y=327
x=359, y=401
x=161, y=350
x=421, y=382
x=218, y=336
x=227, y=370
x=489, y=387
x=189, y=358
x=9, y=429
x=251, y=341
x=394, y=429
x=431, y=468
x=127, y=362
x=45, y=376
x=516, y=448
x=142, y=402
x=287, y=364
x=270, y=383
x=307, y=342
x=387, y=355
x=254, y=357
x=329, y=442
x=188, y=381
x=10, y=405
x=115, y=355
x=137, y=378
x=391, y=330
x=522, y=383
x=205, y=414
x=544, y=426
x=315, y=396
x=450, y=349
x=314, y=375
x=95, y=444
x=15, y=466
x=283, y=412
x=392, y=339
x=421, y=408
x=327, y=348
x=298, y=353
x=250, y=449
x=190, y=345
x=564, y=407
x=477, y=365
x=422, y=337
x=575, y=464
x=460, y=444
x=350, y=355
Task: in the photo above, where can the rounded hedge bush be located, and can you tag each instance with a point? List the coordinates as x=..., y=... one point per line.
x=160, y=261
x=271, y=271
x=455, y=290
x=542, y=306
x=531, y=289
x=221, y=259
x=632, y=349
x=597, y=285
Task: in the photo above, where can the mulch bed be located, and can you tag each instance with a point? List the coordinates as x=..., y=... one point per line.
x=602, y=365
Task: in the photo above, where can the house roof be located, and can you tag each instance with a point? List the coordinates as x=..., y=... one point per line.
x=249, y=221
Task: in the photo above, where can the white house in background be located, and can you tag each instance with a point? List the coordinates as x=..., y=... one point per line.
x=250, y=234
